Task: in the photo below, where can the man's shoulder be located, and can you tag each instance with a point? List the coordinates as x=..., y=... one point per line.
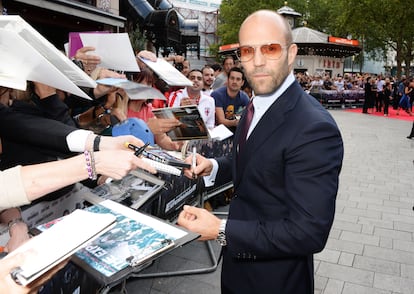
x=220, y=91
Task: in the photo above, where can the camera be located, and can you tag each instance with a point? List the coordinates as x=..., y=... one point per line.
x=179, y=66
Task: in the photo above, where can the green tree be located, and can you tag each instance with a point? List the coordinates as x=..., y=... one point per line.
x=380, y=25
x=233, y=12
x=138, y=40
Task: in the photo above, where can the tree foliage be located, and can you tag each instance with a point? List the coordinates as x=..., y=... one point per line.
x=379, y=25
x=138, y=40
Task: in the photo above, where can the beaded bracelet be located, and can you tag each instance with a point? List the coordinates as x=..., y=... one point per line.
x=90, y=165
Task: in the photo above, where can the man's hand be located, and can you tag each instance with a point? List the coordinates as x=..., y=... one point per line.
x=203, y=166
x=200, y=221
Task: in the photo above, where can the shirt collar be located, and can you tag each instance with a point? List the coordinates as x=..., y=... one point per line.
x=264, y=102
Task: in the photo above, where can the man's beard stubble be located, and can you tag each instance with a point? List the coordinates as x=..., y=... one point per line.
x=268, y=86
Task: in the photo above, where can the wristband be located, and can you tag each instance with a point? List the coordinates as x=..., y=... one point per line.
x=96, y=142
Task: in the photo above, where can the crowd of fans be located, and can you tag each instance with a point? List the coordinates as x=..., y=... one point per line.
x=380, y=91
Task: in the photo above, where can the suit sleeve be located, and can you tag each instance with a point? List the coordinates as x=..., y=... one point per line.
x=224, y=173
x=31, y=129
x=294, y=200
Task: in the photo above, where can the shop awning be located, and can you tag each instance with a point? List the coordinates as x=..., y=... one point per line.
x=312, y=42
x=79, y=10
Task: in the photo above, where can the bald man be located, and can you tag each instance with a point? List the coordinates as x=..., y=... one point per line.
x=285, y=173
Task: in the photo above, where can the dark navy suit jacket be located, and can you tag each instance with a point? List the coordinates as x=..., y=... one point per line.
x=285, y=186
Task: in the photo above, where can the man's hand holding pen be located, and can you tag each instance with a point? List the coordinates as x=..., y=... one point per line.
x=202, y=166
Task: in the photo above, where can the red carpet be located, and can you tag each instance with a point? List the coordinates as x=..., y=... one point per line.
x=391, y=114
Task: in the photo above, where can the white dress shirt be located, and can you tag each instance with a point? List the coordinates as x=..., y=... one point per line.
x=261, y=104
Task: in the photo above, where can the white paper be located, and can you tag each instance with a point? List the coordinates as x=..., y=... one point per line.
x=220, y=132
x=55, y=57
x=167, y=72
x=115, y=50
x=60, y=241
x=135, y=91
x=21, y=62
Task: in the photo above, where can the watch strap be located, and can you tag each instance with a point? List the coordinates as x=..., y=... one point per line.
x=221, y=237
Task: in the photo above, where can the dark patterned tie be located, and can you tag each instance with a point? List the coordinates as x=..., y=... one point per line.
x=247, y=121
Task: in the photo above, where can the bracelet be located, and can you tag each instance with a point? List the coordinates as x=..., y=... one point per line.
x=96, y=143
x=90, y=165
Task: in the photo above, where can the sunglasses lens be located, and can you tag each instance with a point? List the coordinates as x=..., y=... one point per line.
x=245, y=53
x=272, y=51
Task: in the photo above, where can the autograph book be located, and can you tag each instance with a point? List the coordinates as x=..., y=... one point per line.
x=136, y=240
x=192, y=124
x=134, y=190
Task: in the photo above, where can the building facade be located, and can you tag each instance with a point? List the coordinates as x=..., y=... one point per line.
x=55, y=19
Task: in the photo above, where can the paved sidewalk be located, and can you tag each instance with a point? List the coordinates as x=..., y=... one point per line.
x=371, y=246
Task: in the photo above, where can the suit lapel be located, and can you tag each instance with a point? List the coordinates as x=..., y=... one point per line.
x=272, y=119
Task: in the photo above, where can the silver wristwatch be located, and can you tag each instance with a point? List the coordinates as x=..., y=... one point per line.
x=221, y=237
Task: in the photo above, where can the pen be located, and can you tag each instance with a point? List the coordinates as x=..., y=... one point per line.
x=138, y=150
x=194, y=162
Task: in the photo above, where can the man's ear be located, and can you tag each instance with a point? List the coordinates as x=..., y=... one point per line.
x=292, y=52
